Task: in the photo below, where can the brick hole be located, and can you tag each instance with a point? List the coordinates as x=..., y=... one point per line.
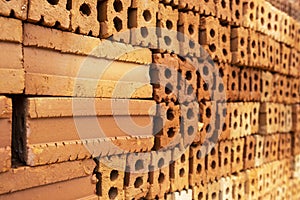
x=168, y=73
x=192, y=44
x=169, y=24
x=170, y=114
x=240, y=186
x=246, y=115
x=118, y=24
x=238, y=148
x=181, y=172
x=147, y=15
x=191, y=29
x=144, y=32
x=182, y=158
x=253, y=182
x=276, y=17
x=227, y=190
x=225, y=161
x=188, y=75
x=52, y=2
x=191, y=130
x=190, y=113
x=239, y=197
x=199, y=168
x=160, y=163
x=213, y=151
x=235, y=113
x=205, y=86
x=224, y=51
x=212, y=47
x=168, y=88
x=113, y=193
x=85, y=9
x=242, y=41
x=199, y=154
x=190, y=89
x=139, y=164
x=223, y=3
x=213, y=164
x=285, y=22
x=235, y=125
x=161, y=178
x=251, y=17
x=114, y=174
x=138, y=182
x=208, y=112
x=275, y=27
x=69, y=5
x=200, y=196
x=167, y=40
x=253, y=44
x=237, y=2
x=269, y=26
x=226, y=150
x=171, y=132
x=214, y=195
x=237, y=14
x=251, y=145
x=212, y=32
x=262, y=10
x=242, y=54
x=262, y=21
x=205, y=70
x=250, y=156
x=118, y=6
x=270, y=121
x=208, y=128
x=258, y=155
x=251, y=5
x=221, y=87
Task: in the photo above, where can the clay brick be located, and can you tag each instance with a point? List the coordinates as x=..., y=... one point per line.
x=159, y=174
x=164, y=77
x=253, y=54
x=295, y=143
x=142, y=17
x=209, y=36
x=224, y=43
x=12, y=81
x=268, y=118
x=51, y=13
x=184, y=194
x=282, y=176
x=200, y=192
x=264, y=19
x=267, y=177
x=273, y=22
x=238, y=186
x=294, y=60
x=274, y=147
x=207, y=7
x=263, y=54
x=208, y=118
x=84, y=17
x=296, y=166
x=266, y=86
x=260, y=180
x=225, y=157
x=285, y=53
x=246, y=119
x=251, y=184
x=232, y=89
x=254, y=117
x=219, y=92
x=249, y=13
x=189, y=5
x=239, y=46
x=110, y=172
x=255, y=87
x=275, y=180
x=296, y=117
x=167, y=125
x=236, y=12
x=17, y=8
x=245, y=84
x=187, y=82
x=292, y=31
x=267, y=153
x=285, y=118
x=167, y=18
x=189, y=122
x=237, y=151
x=259, y=150
x=223, y=10
x=114, y=19
x=249, y=152
x=225, y=188
x=285, y=29
x=197, y=173
x=188, y=26
x=136, y=175
x=235, y=119
x=12, y=30
x=205, y=82
x=285, y=145
x=297, y=39
x=213, y=190
x=179, y=170
x=212, y=162
x=5, y=155
x=273, y=52
x=223, y=121
x=5, y=121
x=15, y=179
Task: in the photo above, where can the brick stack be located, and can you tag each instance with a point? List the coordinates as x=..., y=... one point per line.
x=212, y=88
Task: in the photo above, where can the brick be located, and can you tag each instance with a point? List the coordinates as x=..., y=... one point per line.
x=212, y=162
x=253, y=54
x=114, y=19
x=294, y=60
x=245, y=84
x=170, y=2
x=267, y=153
x=224, y=43
x=254, y=117
x=208, y=118
x=246, y=119
x=274, y=147
x=110, y=177
x=78, y=188
x=264, y=19
x=15, y=179
x=239, y=46
x=219, y=92
x=50, y=13
x=268, y=118
x=14, y=52
x=296, y=117
x=136, y=175
x=179, y=170
x=236, y=12
x=188, y=24
x=249, y=13
x=225, y=188
x=12, y=81
x=263, y=54
x=167, y=18
x=189, y=5
x=197, y=173
x=285, y=53
x=285, y=145
x=275, y=180
x=238, y=184
x=167, y=125
x=266, y=86
x=235, y=122
x=259, y=150
x=159, y=174
x=225, y=157
x=223, y=10
x=189, y=122
x=205, y=82
x=285, y=28
x=267, y=177
x=213, y=190
x=164, y=77
x=295, y=143
x=200, y=192
x=297, y=39
x=251, y=184
x=249, y=152
x=233, y=90
x=285, y=118
x=237, y=151
x=223, y=121
x=12, y=30
x=5, y=155
x=184, y=194
x=142, y=15
x=260, y=180
x=209, y=36
x=273, y=54
x=292, y=31
x=273, y=22
x=187, y=82
x=208, y=7
x=18, y=8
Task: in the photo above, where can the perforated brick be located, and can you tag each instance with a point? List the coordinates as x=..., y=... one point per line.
x=212, y=162
x=239, y=185
x=295, y=58
x=213, y=190
x=249, y=13
x=239, y=45
x=233, y=82
x=249, y=152
x=223, y=121
x=225, y=157
x=189, y=5
x=251, y=184
x=225, y=188
x=189, y=122
x=200, y=192
x=259, y=150
x=235, y=119
x=237, y=151
x=224, y=43
x=253, y=49
x=268, y=118
x=197, y=173
x=207, y=7
x=208, y=118
x=15, y=7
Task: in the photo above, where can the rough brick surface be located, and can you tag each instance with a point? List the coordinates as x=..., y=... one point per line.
x=19, y=8
x=225, y=157
x=212, y=162
x=197, y=172
x=239, y=45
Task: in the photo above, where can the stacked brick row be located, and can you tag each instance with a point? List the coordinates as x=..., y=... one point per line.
x=224, y=117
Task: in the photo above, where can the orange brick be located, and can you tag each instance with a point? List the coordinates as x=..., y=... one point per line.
x=238, y=186
x=249, y=13
x=197, y=173
x=249, y=152
x=225, y=157
x=239, y=46
x=18, y=8
x=237, y=149
x=208, y=7
x=233, y=82
x=212, y=162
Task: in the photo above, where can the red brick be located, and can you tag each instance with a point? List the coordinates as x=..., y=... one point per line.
x=225, y=157
x=12, y=30
x=224, y=43
x=269, y=118
x=285, y=118
x=245, y=84
x=285, y=53
x=285, y=28
x=212, y=162
x=233, y=90
x=219, y=92
x=49, y=13
x=208, y=118
x=239, y=46
x=254, y=117
x=253, y=55
x=263, y=54
x=205, y=82
x=197, y=172
x=189, y=122
x=266, y=86
x=236, y=12
x=285, y=146
x=200, y=192
x=296, y=117
x=19, y=8
x=237, y=152
x=246, y=127
x=249, y=152
x=267, y=153
x=295, y=58
x=223, y=11
x=238, y=186
x=249, y=13
x=235, y=116
x=223, y=121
